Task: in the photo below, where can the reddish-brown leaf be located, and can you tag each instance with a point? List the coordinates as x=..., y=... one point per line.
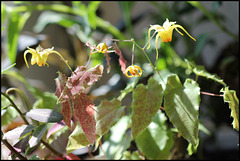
x=67, y=113
x=81, y=79
x=84, y=111
x=121, y=59
x=65, y=106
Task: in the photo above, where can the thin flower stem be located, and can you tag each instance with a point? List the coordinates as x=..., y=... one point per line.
x=212, y=94
x=133, y=54
x=9, y=146
x=149, y=60
x=16, y=108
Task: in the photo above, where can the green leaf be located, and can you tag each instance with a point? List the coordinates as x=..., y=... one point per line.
x=146, y=102
x=230, y=97
x=37, y=135
x=119, y=140
x=8, y=115
x=181, y=105
x=44, y=115
x=201, y=71
x=49, y=17
x=34, y=157
x=77, y=139
x=92, y=8
x=15, y=25
x=107, y=114
x=156, y=142
x=4, y=70
x=191, y=148
x=127, y=155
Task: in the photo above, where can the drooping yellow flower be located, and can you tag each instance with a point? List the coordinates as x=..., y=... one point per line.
x=40, y=56
x=134, y=70
x=102, y=48
x=165, y=32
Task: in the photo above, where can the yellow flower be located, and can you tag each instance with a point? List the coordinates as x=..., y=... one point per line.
x=165, y=32
x=102, y=48
x=40, y=56
x=134, y=70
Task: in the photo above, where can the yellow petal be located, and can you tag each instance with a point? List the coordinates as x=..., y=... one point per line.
x=175, y=26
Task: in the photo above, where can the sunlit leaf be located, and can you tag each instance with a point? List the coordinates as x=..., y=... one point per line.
x=81, y=79
x=55, y=127
x=84, y=111
x=44, y=115
x=37, y=135
x=18, y=132
x=127, y=155
x=201, y=71
x=146, y=102
x=119, y=140
x=181, y=104
x=156, y=142
x=230, y=97
x=77, y=139
x=107, y=114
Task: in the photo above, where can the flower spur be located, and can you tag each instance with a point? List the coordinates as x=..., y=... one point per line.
x=165, y=32
x=40, y=56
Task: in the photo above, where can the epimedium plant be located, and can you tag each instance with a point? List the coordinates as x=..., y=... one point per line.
x=151, y=106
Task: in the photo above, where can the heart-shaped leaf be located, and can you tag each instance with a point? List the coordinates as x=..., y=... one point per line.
x=146, y=102
x=107, y=114
x=181, y=105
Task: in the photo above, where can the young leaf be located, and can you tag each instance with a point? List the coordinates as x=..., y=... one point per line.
x=81, y=79
x=230, y=97
x=84, y=111
x=121, y=59
x=37, y=135
x=146, y=103
x=107, y=114
x=65, y=106
x=181, y=105
x=67, y=113
x=55, y=127
x=201, y=71
x=77, y=139
x=18, y=132
x=44, y=115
